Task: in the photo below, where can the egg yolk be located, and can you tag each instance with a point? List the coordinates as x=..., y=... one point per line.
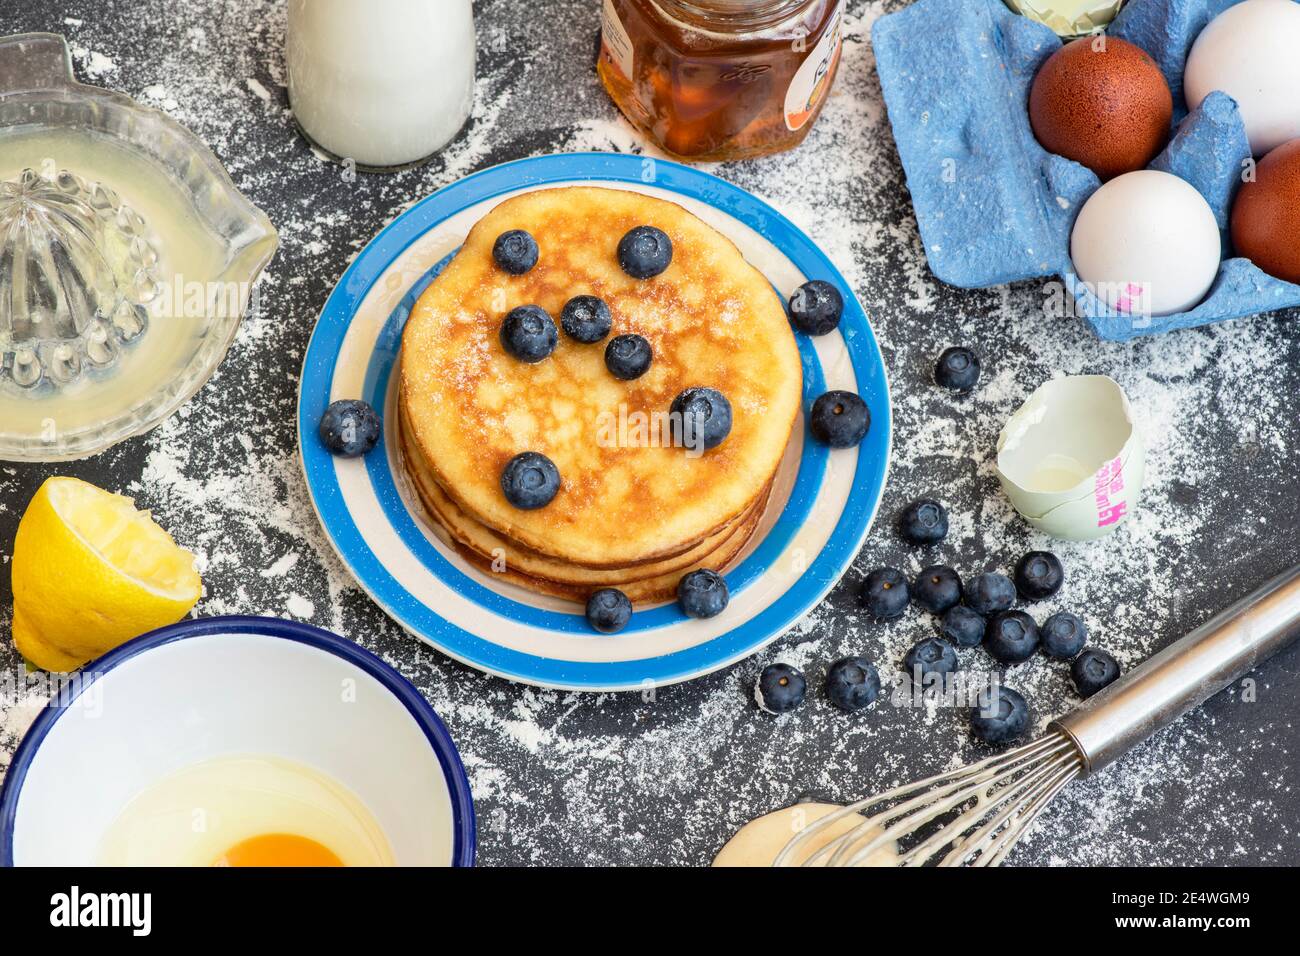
x=278, y=849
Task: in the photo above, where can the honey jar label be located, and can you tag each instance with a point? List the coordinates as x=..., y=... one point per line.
x=615, y=44
x=813, y=79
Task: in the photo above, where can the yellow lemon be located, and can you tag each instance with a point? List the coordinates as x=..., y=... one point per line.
x=91, y=572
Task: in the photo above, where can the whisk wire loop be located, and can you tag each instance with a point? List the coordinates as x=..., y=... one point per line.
x=996, y=800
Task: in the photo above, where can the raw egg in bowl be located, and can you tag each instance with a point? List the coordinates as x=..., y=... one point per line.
x=237, y=741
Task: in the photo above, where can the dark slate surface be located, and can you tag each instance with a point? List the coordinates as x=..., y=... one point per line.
x=563, y=778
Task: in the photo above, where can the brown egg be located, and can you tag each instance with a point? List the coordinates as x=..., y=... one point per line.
x=1102, y=102
x=1266, y=214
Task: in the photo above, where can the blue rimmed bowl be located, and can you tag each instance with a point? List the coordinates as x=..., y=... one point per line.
x=227, y=686
x=823, y=501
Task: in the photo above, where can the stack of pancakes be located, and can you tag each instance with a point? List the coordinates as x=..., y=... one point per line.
x=635, y=510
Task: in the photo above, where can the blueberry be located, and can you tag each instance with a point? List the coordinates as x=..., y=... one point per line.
x=962, y=626
x=839, y=419
x=933, y=655
x=1011, y=637
x=628, y=356
x=701, y=418
x=815, y=307
x=1000, y=715
x=958, y=369
x=1092, y=670
x=884, y=593
x=530, y=480
x=780, y=688
x=1039, y=575
x=645, y=252
x=350, y=428
x=1063, y=635
x=937, y=588
x=528, y=333
x=586, y=319
x=515, y=251
x=852, y=683
x=924, y=521
x=608, y=610
x=989, y=593
x=703, y=593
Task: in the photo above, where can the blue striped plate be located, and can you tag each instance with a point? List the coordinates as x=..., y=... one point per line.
x=822, y=505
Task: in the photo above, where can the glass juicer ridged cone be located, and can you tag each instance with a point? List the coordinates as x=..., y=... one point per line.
x=75, y=277
x=110, y=214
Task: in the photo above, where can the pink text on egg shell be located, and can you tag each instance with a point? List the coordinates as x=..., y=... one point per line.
x=1109, y=484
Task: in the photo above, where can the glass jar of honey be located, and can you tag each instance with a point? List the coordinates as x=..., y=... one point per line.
x=720, y=79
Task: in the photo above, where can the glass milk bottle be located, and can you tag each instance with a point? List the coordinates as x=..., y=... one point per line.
x=384, y=83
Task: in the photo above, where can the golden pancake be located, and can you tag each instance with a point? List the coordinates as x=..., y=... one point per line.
x=711, y=319
x=662, y=587
x=490, y=546
x=451, y=512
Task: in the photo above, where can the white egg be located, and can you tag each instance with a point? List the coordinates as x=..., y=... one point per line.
x=1251, y=51
x=1146, y=243
x=199, y=814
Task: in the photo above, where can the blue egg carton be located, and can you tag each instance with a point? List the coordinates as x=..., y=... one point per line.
x=993, y=206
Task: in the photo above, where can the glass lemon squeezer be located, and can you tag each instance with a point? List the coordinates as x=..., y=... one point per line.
x=127, y=259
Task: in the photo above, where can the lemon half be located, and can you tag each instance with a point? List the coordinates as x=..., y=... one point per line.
x=90, y=572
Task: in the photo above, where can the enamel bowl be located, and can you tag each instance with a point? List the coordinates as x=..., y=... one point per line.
x=232, y=686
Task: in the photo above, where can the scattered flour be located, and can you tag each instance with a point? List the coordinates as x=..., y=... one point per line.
x=15, y=717
x=158, y=93
x=299, y=606
x=281, y=567
x=567, y=778
x=92, y=62
x=258, y=90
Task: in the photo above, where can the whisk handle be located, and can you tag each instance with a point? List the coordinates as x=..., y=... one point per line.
x=1186, y=673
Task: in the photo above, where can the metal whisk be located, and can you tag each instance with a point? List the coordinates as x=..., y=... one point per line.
x=975, y=815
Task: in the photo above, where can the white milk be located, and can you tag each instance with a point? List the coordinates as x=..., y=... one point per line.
x=382, y=82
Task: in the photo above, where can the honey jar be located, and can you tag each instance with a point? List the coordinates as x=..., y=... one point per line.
x=720, y=79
